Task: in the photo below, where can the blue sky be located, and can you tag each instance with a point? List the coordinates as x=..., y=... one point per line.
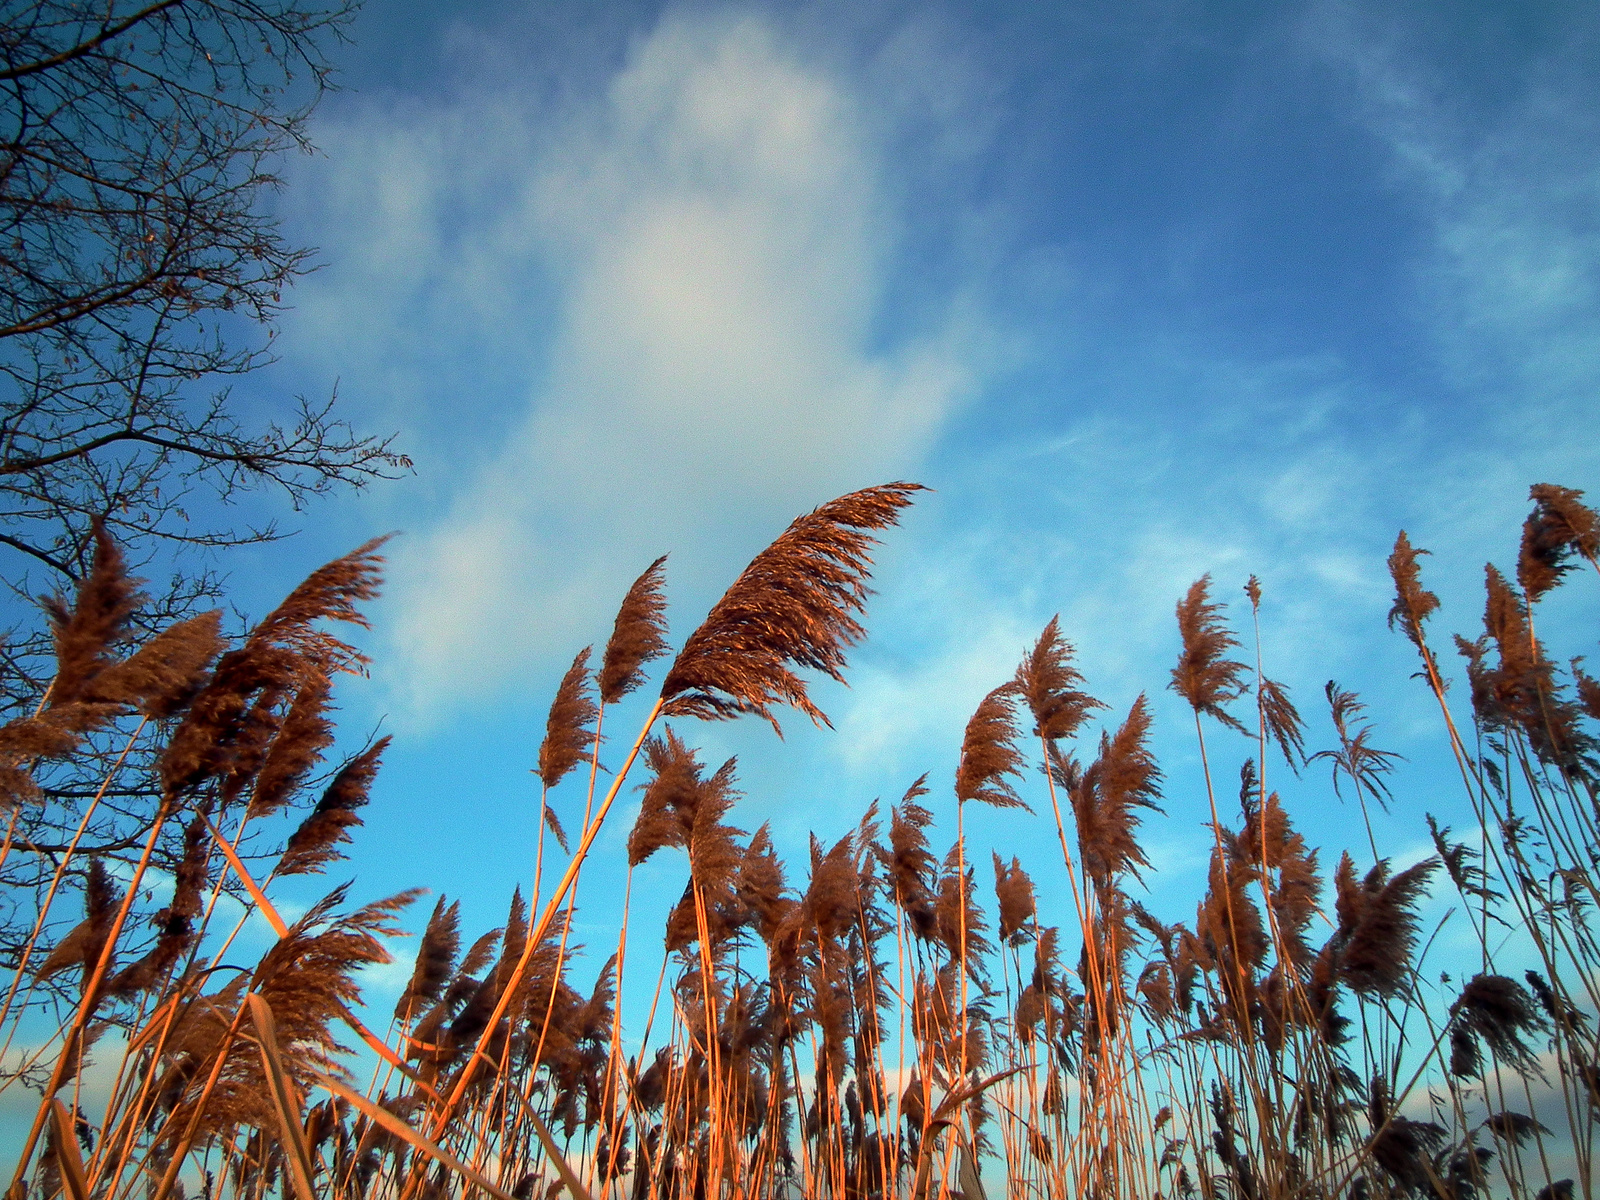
x=1142, y=290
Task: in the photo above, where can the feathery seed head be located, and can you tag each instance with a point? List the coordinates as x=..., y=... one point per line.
x=639, y=635
x=989, y=751
x=568, y=732
x=1047, y=683
x=793, y=604
x=1204, y=676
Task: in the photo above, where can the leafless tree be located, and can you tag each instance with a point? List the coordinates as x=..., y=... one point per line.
x=141, y=272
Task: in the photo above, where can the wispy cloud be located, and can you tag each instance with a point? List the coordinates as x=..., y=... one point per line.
x=714, y=237
x=1506, y=181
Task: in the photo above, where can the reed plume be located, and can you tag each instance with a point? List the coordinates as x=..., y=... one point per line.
x=1107, y=795
x=87, y=631
x=1518, y=692
x=311, y=847
x=1364, y=764
x=230, y=720
x=1559, y=527
x=305, y=733
x=83, y=946
x=670, y=797
x=909, y=860
x=1500, y=1012
x=989, y=751
x=639, y=635
x=1203, y=676
x=569, y=733
x=175, y=922
x=1048, y=684
x=1282, y=722
x=1413, y=603
x=436, y=956
x=330, y=593
x=164, y=674
x=792, y=605
x=1013, y=892
x=1378, y=921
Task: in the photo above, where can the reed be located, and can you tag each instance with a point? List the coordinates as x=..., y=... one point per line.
x=862, y=1024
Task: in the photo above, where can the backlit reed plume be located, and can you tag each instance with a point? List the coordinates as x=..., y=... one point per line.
x=569, y=732
x=1501, y=1013
x=330, y=593
x=1282, y=722
x=1559, y=526
x=909, y=860
x=83, y=945
x=1378, y=922
x=1048, y=684
x=1013, y=892
x=1107, y=794
x=312, y=846
x=231, y=720
x=305, y=733
x=792, y=605
x=639, y=635
x=175, y=922
x=1362, y=763
x=169, y=669
x=1518, y=691
x=1413, y=603
x=674, y=796
x=92, y=686
x=436, y=956
x=989, y=752
x=86, y=631
x=1204, y=676
x=1279, y=854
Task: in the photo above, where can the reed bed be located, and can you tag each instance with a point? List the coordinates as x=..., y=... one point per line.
x=882, y=1019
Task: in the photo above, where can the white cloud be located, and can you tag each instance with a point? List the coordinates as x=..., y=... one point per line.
x=716, y=233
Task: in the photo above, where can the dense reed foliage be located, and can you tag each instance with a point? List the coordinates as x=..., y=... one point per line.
x=872, y=1022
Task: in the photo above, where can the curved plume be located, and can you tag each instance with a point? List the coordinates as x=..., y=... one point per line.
x=86, y=632
x=793, y=605
x=989, y=751
x=1558, y=527
x=1412, y=602
x=638, y=636
x=568, y=731
x=1048, y=683
x=1203, y=676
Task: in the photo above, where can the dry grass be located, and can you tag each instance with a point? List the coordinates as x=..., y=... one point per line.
x=854, y=1027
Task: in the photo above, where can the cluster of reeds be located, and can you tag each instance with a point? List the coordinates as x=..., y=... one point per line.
x=868, y=1025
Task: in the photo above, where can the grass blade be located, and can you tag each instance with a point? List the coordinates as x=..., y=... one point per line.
x=284, y=1100
x=70, y=1161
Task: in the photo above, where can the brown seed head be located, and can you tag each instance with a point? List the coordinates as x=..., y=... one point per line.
x=1203, y=676
x=1559, y=526
x=1378, y=924
x=1047, y=683
x=1106, y=795
x=989, y=751
x=1412, y=602
x=330, y=593
x=436, y=958
x=86, y=632
x=638, y=637
x=793, y=604
x=568, y=732
x=305, y=733
x=1014, y=892
x=311, y=846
